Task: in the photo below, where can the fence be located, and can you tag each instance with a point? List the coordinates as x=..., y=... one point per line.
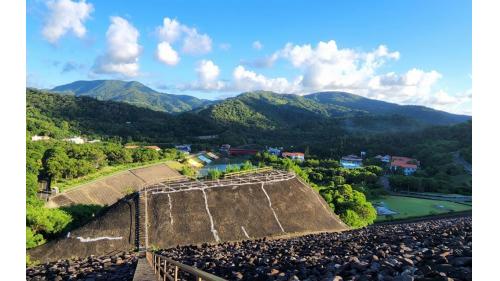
x=168, y=269
x=246, y=172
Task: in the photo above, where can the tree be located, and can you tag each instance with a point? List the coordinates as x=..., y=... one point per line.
x=33, y=239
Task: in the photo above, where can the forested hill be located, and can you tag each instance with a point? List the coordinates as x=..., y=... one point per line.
x=263, y=118
x=349, y=103
x=60, y=116
x=133, y=93
x=270, y=111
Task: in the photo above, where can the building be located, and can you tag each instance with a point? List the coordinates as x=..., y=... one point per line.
x=39, y=138
x=131, y=146
x=153, y=147
x=225, y=149
x=351, y=161
x=407, y=165
x=299, y=156
x=385, y=159
x=274, y=150
x=94, y=141
x=76, y=140
x=184, y=148
x=242, y=151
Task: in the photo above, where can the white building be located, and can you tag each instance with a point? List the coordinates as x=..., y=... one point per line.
x=76, y=140
x=39, y=138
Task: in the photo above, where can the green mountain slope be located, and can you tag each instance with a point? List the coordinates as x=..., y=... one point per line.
x=332, y=101
x=271, y=111
x=133, y=93
x=60, y=116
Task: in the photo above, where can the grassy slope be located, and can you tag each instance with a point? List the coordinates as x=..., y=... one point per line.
x=414, y=207
x=112, y=170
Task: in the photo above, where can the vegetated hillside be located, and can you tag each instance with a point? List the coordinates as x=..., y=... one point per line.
x=61, y=115
x=272, y=117
x=133, y=93
x=333, y=101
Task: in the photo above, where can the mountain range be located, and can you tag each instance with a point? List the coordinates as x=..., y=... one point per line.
x=267, y=108
x=132, y=92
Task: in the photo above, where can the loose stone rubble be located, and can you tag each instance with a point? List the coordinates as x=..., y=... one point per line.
x=115, y=267
x=428, y=250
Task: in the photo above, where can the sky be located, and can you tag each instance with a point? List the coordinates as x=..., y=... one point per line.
x=407, y=52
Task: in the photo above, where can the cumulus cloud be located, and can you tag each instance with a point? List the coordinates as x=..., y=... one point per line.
x=123, y=50
x=66, y=16
x=246, y=80
x=171, y=32
x=166, y=54
x=257, y=45
x=208, y=78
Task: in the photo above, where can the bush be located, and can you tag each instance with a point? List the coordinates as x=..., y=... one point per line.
x=214, y=174
x=33, y=239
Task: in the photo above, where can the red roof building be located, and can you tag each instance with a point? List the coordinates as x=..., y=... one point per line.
x=408, y=165
x=294, y=155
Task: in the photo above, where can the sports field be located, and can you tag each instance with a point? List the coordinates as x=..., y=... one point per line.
x=407, y=207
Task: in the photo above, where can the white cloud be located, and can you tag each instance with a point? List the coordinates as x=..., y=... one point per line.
x=166, y=54
x=196, y=43
x=170, y=31
x=193, y=42
x=208, y=75
x=66, y=16
x=257, y=45
x=123, y=50
x=225, y=46
x=246, y=80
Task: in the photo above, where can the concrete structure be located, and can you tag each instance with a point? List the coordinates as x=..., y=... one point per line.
x=299, y=156
x=275, y=150
x=253, y=206
x=108, y=190
x=76, y=140
x=184, y=148
x=39, y=138
x=351, y=161
x=407, y=165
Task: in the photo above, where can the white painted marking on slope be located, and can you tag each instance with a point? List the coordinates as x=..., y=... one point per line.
x=271, y=206
x=212, y=228
x=245, y=232
x=88, y=239
x=170, y=209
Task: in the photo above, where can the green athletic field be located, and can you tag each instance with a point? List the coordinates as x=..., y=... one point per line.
x=407, y=207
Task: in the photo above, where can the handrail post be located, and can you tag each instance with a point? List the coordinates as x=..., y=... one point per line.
x=176, y=273
x=165, y=270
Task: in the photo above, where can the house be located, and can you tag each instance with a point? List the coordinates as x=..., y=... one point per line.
x=351, y=161
x=225, y=148
x=76, y=140
x=405, y=164
x=385, y=159
x=39, y=138
x=131, y=146
x=212, y=155
x=204, y=159
x=299, y=156
x=153, y=147
x=184, y=148
x=274, y=150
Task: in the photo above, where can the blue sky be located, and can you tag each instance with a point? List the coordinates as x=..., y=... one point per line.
x=409, y=52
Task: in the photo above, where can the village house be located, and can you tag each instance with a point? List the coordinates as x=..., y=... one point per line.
x=385, y=159
x=299, y=156
x=274, y=150
x=39, y=138
x=152, y=147
x=407, y=165
x=131, y=146
x=184, y=148
x=351, y=161
x=76, y=140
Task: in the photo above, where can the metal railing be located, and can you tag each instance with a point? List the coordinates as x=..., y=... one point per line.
x=168, y=269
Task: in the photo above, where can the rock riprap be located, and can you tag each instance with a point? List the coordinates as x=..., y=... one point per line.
x=438, y=249
x=115, y=267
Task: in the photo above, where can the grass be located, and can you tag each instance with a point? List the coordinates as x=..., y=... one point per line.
x=407, y=207
x=111, y=170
